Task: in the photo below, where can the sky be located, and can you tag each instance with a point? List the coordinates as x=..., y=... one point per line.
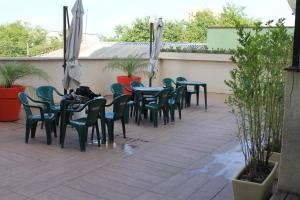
x=101, y=16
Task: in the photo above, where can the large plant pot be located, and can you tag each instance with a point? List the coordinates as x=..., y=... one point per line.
x=245, y=190
x=125, y=80
x=9, y=103
x=275, y=157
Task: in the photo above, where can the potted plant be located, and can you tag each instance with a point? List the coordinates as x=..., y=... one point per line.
x=257, y=85
x=9, y=74
x=131, y=65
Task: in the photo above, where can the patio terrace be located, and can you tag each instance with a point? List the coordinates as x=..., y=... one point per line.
x=194, y=158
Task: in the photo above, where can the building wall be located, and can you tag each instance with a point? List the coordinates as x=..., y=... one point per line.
x=210, y=68
x=226, y=37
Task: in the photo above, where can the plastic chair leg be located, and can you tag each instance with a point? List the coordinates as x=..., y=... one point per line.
x=33, y=129
x=155, y=117
x=86, y=133
x=110, y=130
x=92, y=134
x=54, y=128
x=126, y=114
x=179, y=110
x=103, y=131
x=165, y=116
x=57, y=116
x=27, y=131
x=81, y=136
x=48, y=125
x=188, y=100
x=172, y=113
x=123, y=127
x=98, y=134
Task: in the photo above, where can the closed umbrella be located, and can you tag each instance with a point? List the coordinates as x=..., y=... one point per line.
x=72, y=71
x=153, y=62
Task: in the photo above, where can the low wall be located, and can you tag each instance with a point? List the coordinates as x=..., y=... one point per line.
x=210, y=68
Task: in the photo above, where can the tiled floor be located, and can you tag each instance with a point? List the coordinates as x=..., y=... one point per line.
x=193, y=158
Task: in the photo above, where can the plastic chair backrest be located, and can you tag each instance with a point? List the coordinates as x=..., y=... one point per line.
x=181, y=78
x=46, y=92
x=94, y=107
x=163, y=97
x=168, y=82
x=119, y=105
x=24, y=101
x=117, y=89
x=136, y=84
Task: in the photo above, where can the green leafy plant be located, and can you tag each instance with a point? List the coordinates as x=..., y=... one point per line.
x=198, y=50
x=257, y=84
x=131, y=65
x=11, y=72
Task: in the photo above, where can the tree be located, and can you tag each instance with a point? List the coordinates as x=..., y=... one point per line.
x=193, y=30
x=198, y=25
x=174, y=31
x=20, y=39
x=138, y=32
x=233, y=15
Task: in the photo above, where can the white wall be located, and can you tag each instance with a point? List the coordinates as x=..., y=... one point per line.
x=210, y=68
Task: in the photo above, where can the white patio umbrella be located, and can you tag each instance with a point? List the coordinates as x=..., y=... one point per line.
x=72, y=72
x=153, y=62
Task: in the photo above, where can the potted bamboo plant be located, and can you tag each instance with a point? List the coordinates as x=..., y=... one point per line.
x=9, y=74
x=132, y=65
x=257, y=84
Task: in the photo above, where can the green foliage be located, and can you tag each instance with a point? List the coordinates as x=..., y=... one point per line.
x=173, y=31
x=11, y=72
x=197, y=50
x=20, y=39
x=131, y=65
x=198, y=25
x=233, y=15
x=257, y=84
x=139, y=31
x=193, y=30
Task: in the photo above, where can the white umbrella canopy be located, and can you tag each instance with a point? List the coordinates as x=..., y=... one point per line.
x=153, y=62
x=72, y=72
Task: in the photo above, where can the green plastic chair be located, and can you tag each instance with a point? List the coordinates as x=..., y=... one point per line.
x=91, y=120
x=32, y=120
x=118, y=89
x=175, y=102
x=136, y=84
x=161, y=103
x=188, y=92
x=46, y=94
x=119, y=111
x=169, y=83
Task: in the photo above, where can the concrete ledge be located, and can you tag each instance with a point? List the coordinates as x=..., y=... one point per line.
x=195, y=56
x=162, y=56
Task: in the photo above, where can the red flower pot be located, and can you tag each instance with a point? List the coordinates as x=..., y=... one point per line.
x=125, y=80
x=9, y=103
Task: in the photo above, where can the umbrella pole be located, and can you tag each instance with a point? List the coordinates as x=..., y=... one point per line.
x=65, y=11
x=151, y=40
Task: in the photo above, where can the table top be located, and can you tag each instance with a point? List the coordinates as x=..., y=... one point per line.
x=190, y=83
x=148, y=89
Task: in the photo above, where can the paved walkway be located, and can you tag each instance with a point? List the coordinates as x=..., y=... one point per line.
x=191, y=159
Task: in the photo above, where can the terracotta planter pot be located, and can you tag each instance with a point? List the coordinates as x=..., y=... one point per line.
x=245, y=190
x=125, y=80
x=9, y=103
